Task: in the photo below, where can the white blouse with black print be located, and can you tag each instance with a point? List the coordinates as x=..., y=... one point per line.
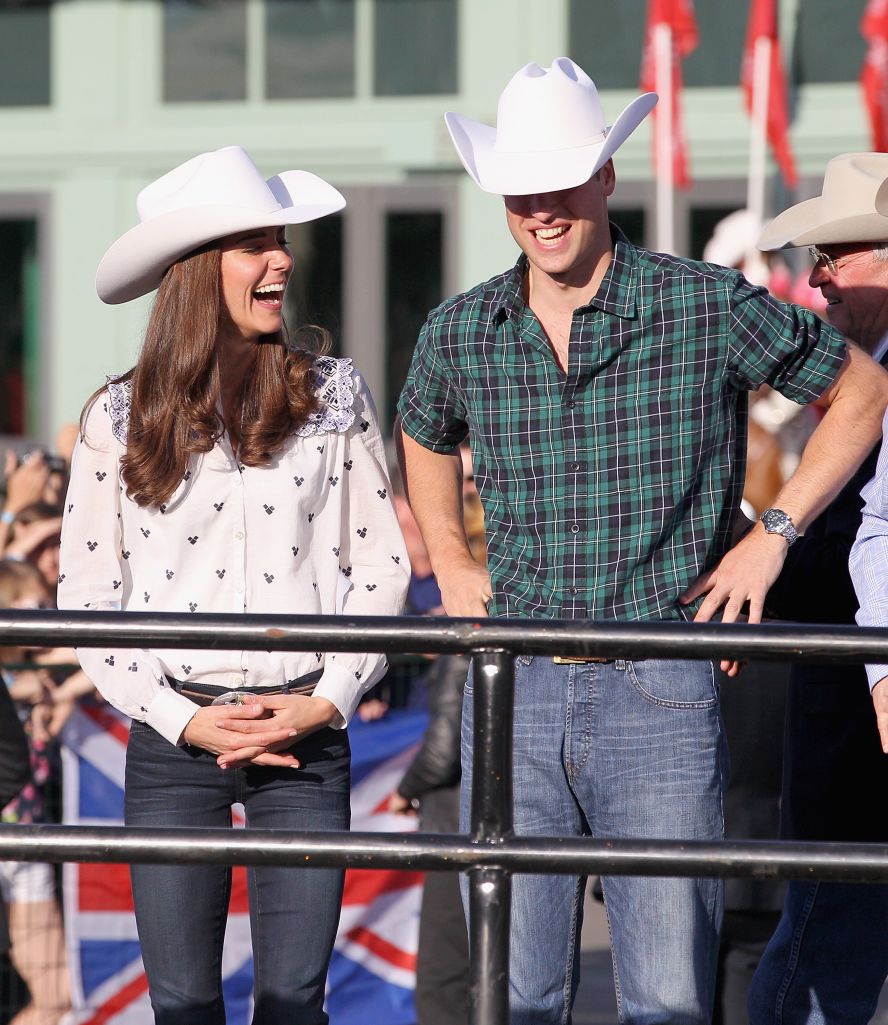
x=313, y=532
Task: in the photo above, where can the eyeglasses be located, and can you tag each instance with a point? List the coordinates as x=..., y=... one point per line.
x=831, y=262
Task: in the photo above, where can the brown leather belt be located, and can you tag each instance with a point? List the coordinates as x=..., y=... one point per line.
x=569, y=660
x=205, y=694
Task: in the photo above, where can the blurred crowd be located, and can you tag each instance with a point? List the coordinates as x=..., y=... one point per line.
x=44, y=685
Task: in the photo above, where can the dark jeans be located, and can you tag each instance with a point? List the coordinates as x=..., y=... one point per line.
x=181, y=910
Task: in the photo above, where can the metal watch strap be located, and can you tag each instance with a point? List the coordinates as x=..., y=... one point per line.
x=776, y=521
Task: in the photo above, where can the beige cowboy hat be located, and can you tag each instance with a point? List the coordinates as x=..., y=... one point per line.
x=550, y=132
x=208, y=197
x=852, y=207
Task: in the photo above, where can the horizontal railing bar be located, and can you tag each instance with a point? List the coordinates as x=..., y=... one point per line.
x=446, y=852
x=415, y=634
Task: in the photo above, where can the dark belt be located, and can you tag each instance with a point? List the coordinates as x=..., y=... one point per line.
x=569, y=660
x=206, y=694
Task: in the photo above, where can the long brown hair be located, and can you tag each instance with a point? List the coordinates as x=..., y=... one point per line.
x=176, y=386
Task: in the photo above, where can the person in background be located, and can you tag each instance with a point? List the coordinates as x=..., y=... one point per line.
x=230, y=471
x=15, y=772
x=26, y=483
x=605, y=413
x=752, y=705
x=430, y=786
x=828, y=958
x=29, y=887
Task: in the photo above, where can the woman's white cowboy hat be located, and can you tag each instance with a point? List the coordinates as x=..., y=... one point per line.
x=550, y=132
x=210, y=196
x=852, y=207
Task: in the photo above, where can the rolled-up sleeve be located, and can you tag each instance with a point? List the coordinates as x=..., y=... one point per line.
x=781, y=344
x=431, y=408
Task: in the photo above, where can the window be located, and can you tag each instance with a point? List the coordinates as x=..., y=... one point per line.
x=703, y=222
x=231, y=50
x=204, y=49
x=19, y=306
x=310, y=48
x=606, y=40
x=631, y=221
x=413, y=286
x=25, y=53
x=415, y=48
x=314, y=295
x=829, y=46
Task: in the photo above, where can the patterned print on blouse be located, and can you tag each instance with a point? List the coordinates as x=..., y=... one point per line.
x=314, y=532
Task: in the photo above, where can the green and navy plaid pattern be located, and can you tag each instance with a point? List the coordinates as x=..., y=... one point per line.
x=607, y=490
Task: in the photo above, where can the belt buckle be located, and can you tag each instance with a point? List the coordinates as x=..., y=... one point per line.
x=230, y=697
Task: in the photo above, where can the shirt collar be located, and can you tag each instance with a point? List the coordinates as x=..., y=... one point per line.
x=616, y=294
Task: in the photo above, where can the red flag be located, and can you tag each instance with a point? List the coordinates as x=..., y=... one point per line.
x=763, y=25
x=678, y=15
x=874, y=73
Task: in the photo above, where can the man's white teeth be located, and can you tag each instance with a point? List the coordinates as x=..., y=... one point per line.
x=275, y=289
x=547, y=234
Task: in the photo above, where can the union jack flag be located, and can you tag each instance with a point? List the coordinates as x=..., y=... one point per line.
x=373, y=972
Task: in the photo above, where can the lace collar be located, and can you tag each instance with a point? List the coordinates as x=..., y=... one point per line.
x=334, y=386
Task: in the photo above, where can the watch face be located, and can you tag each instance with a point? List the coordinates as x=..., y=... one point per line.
x=774, y=520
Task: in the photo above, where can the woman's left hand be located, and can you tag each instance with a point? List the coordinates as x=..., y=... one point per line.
x=292, y=711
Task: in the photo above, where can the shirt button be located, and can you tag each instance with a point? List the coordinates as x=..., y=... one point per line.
x=574, y=467
x=575, y=590
x=574, y=528
x=238, y=535
x=571, y=404
x=236, y=681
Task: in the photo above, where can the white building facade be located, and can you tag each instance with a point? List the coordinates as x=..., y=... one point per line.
x=98, y=97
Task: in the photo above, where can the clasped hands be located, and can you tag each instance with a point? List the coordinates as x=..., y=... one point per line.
x=260, y=731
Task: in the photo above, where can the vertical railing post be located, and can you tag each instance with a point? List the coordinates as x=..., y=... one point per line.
x=490, y=889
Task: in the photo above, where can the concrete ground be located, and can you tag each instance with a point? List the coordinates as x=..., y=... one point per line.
x=596, y=1003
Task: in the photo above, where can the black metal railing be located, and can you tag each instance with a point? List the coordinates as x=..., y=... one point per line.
x=490, y=853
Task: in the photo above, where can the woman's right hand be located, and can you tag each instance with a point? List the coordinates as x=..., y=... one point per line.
x=206, y=729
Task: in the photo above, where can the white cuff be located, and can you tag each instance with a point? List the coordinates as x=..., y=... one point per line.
x=169, y=713
x=340, y=686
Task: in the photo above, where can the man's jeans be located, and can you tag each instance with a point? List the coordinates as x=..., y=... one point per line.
x=828, y=959
x=181, y=909
x=618, y=750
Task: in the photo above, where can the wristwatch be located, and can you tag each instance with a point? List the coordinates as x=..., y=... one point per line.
x=776, y=521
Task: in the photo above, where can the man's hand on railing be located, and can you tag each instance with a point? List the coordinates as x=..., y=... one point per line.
x=744, y=575
x=880, y=702
x=465, y=589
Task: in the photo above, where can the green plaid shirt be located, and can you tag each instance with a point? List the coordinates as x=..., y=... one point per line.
x=608, y=489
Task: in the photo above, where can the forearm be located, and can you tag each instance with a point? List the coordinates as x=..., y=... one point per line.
x=434, y=488
x=855, y=403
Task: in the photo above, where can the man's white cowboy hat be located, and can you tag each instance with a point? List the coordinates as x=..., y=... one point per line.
x=210, y=196
x=852, y=207
x=550, y=132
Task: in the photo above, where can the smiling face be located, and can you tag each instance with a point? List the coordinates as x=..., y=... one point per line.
x=565, y=234
x=255, y=267
x=857, y=293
